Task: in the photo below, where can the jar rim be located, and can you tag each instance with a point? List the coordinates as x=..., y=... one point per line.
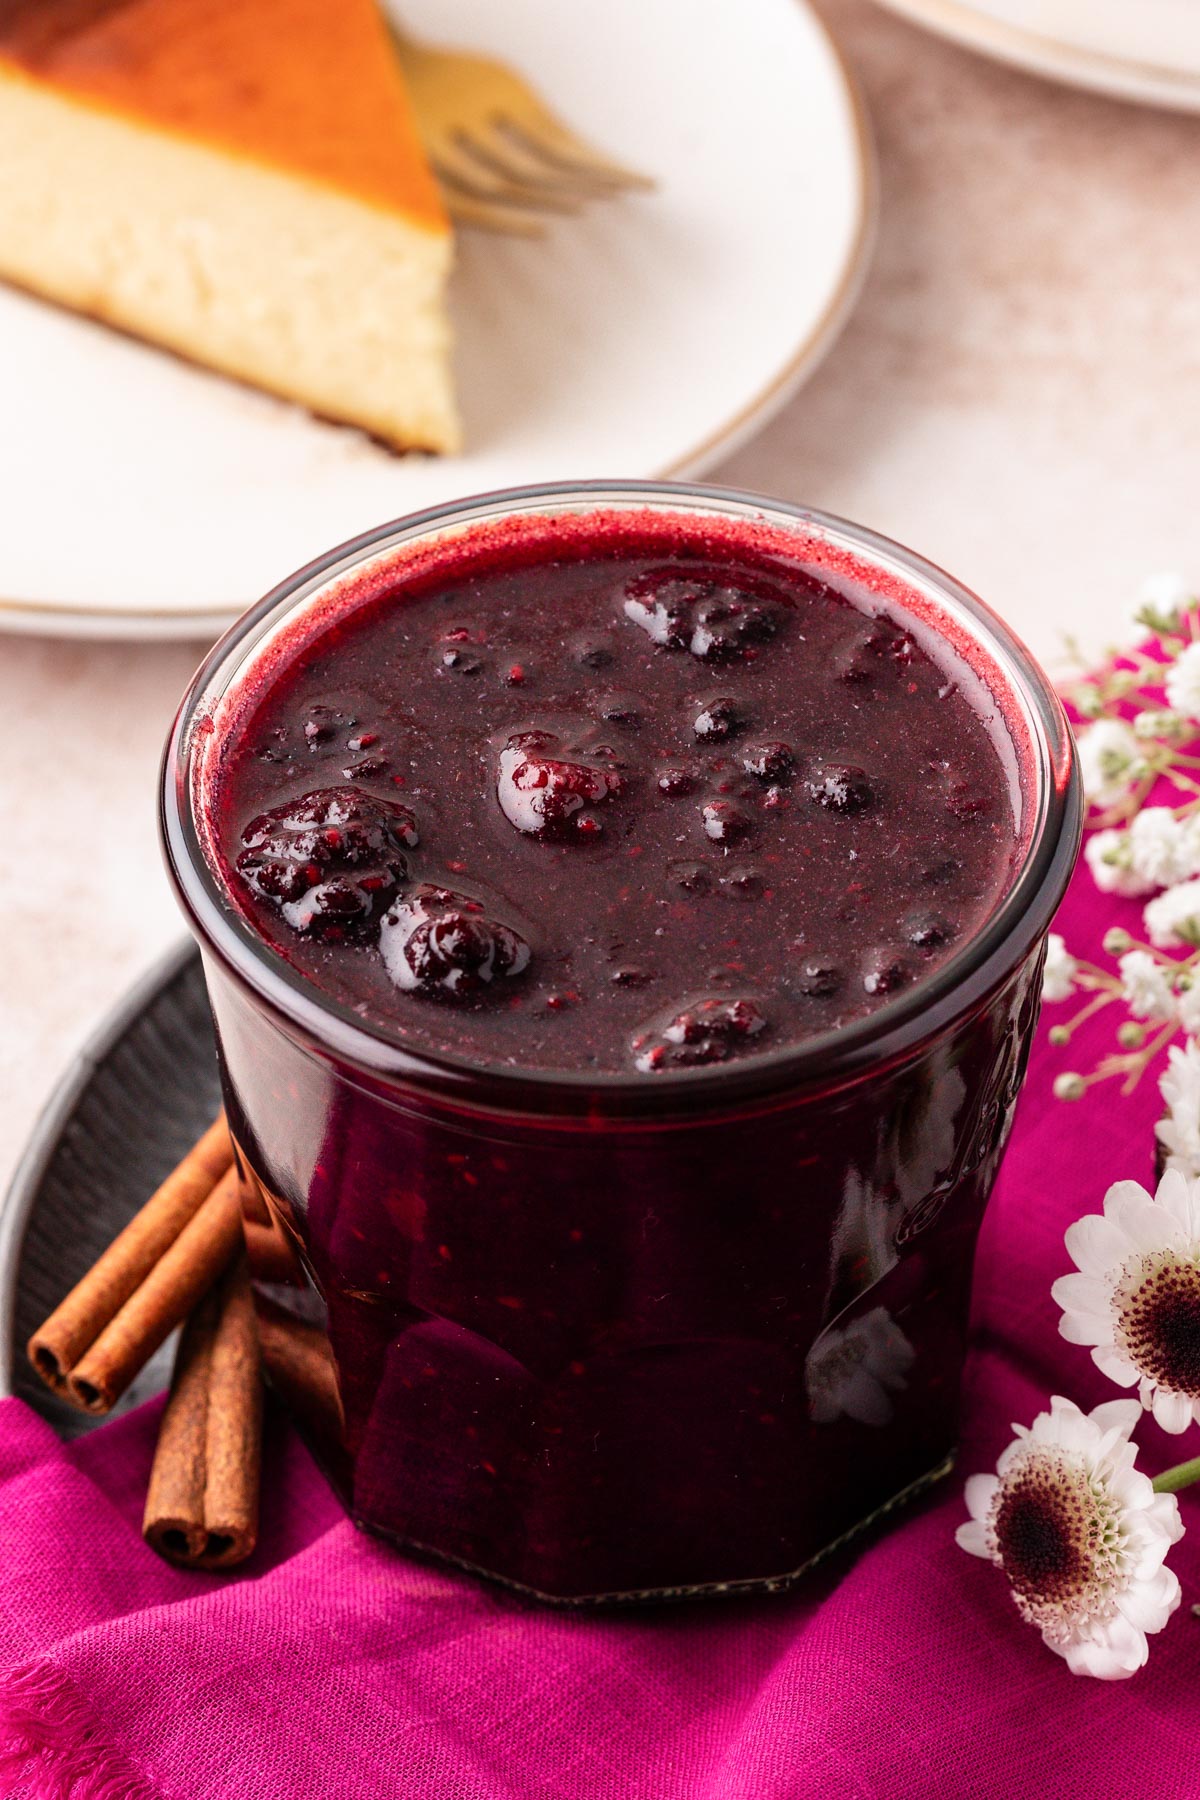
x=841, y=1053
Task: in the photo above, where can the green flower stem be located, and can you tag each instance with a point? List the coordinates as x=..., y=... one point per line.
x=1181, y=1476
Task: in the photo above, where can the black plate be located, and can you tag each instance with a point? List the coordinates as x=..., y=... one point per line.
x=128, y=1108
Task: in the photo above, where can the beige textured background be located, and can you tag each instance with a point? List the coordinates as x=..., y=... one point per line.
x=1018, y=395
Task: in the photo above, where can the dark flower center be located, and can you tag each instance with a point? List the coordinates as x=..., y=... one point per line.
x=1158, y=1305
x=1046, y=1532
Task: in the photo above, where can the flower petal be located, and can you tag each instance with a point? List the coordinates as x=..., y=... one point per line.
x=1172, y=1411
x=1141, y=1609
x=972, y=1537
x=1064, y=1426
x=1148, y=1227
x=1120, y=1416
x=1110, y=1653
x=979, y=1491
x=1150, y=1602
x=1165, y=1511
x=1086, y=1657
x=1123, y=1194
x=1173, y=1195
x=1096, y=1245
x=1085, y=1328
x=1133, y=1490
x=1112, y=1363
x=1083, y=1294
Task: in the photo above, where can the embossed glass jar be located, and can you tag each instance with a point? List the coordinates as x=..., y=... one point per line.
x=600, y=1336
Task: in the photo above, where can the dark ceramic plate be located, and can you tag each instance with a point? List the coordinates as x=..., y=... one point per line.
x=132, y=1102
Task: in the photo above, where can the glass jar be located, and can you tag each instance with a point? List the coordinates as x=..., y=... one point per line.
x=602, y=1336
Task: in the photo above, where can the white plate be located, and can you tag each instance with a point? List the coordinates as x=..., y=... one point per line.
x=144, y=498
x=1146, y=50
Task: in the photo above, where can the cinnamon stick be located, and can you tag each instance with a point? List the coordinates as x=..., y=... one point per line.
x=95, y=1301
x=174, y=1519
x=170, y=1290
x=202, y=1504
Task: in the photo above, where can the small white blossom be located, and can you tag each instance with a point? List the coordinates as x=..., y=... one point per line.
x=1162, y=601
x=1110, y=758
x=1136, y=1299
x=1173, y=918
x=1109, y=855
x=1058, y=977
x=1152, y=724
x=856, y=1370
x=1179, y=1131
x=1081, y=1536
x=1146, y=986
x=1183, y=682
x=1160, y=850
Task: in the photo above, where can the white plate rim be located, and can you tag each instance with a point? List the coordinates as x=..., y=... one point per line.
x=1053, y=58
x=68, y=619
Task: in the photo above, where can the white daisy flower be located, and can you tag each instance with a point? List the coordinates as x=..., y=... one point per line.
x=1183, y=682
x=1080, y=1535
x=1162, y=601
x=1136, y=1299
x=1173, y=918
x=856, y=1370
x=1058, y=976
x=1146, y=986
x=1109, y=856
x=1110, y=757
x=1179, y=1131
x=1161, y=852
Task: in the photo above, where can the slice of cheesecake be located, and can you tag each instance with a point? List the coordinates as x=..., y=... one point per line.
x=241, y=181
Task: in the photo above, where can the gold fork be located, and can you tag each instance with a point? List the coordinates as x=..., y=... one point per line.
x=500, y=155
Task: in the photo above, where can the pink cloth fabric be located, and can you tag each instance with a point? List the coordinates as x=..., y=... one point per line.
x=333, y=1667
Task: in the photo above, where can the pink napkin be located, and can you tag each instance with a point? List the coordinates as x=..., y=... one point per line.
x=332, y=1666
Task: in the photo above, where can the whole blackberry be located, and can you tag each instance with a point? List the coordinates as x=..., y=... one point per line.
x=442, y=944
x=331, y=862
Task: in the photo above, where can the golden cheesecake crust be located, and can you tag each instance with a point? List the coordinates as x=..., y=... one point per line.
x=269, y=81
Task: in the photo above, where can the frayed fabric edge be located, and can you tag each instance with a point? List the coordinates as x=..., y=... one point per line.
x=52, y=1744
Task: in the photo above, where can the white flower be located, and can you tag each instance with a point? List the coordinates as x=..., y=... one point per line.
x=1080, y=1535
x=1183, y=682
x=1173, y=919
x=1152, y=724
x=1162, y=601
x=1179, y=1131
x=1136, y=1299
x=1058, y=977
x=856, y=1371
x=1161, y=851
x=1146, y=986
x=1110, y=758
x=1110, y=858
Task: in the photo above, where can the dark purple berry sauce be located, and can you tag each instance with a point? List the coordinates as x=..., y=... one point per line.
x=615, y=803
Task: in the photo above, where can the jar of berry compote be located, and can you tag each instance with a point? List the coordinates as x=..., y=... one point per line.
x=623, y=909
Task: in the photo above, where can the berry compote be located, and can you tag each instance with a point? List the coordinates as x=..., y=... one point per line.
x=616, y=805
x=623, y=928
